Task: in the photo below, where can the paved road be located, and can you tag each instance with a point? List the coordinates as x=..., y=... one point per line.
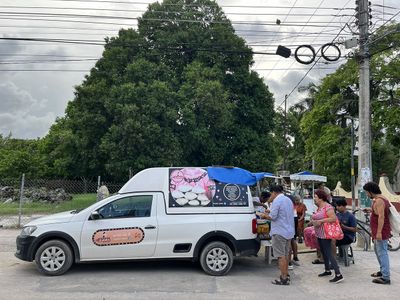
x=249, y=279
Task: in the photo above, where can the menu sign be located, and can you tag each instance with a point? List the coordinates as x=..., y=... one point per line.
x=191, y=187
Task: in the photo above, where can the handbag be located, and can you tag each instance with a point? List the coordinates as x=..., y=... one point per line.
x=310, y=239
x=333, y=231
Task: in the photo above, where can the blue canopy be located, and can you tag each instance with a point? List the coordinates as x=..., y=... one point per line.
x=235, y=175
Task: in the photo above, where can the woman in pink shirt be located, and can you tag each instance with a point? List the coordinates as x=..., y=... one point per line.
x=325, y=214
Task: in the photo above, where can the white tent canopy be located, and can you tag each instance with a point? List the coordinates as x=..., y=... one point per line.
x=306, y=176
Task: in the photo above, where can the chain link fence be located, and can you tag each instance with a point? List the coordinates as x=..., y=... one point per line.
x=24, y=199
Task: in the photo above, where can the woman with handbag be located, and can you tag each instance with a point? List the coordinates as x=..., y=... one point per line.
x=327, y=228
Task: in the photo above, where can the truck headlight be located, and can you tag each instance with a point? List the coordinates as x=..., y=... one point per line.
x=28, y=230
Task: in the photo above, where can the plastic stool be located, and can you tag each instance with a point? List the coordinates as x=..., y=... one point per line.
x=344, y=252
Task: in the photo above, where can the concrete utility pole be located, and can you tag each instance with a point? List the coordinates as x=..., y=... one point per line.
x=353, y=177
x=284, y=135
x=364, y=142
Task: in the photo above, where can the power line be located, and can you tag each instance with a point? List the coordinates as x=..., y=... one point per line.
x=18, y=16
x=194, y=5
x=386, y=22
x=43, y=70
x=284, y=69
x=316, y=38
x=329, y=32
x=46, y=40
x=322, y=1
x=280, y=29
x=160, y=12
x=46, y=61
x=385, y=6
x=63, y=21
x=102, y=43
x=43, y=55
x=305, y=75
x=57, y=27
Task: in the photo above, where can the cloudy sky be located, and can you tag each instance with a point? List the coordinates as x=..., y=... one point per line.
x=37, y=79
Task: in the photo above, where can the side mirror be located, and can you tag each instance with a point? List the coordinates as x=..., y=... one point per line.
x=95, y=215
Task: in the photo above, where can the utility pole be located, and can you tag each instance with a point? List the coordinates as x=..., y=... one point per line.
x=284, y=135
x=353, y=177
x=364, y=132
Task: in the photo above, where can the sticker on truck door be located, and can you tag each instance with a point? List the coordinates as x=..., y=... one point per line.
x=191, y=187
x=118, y=236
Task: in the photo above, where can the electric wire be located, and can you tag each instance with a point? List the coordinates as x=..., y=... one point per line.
x=322, y=1
x=308, y=71
x=154, y=11
x=192, y=5
x=315, y=39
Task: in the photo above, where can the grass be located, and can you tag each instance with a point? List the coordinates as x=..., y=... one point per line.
x=77, y=202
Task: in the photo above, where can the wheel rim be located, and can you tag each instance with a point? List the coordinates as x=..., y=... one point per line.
x=217, y=259
x=52, y=259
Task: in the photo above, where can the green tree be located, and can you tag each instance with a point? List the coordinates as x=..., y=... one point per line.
x=325, y=127
x=178, y=91
x=21, y=156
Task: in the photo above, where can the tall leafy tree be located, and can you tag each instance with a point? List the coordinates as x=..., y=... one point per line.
x=21, y=156
x=325, y=127
x=177, y=91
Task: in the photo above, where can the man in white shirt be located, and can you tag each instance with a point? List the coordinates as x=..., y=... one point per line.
x=282, y=230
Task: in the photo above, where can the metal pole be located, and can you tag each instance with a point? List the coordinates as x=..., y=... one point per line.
x=284, y=135
x=353, y=178
x=98, y=188
x=364, y=132
x=21, y=198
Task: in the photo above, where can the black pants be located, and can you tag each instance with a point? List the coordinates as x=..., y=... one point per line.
x=344, y=241
x=326, y=250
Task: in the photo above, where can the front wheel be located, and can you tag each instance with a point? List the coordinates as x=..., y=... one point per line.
x=394, y=242
x=216, y=259
x=54, y=258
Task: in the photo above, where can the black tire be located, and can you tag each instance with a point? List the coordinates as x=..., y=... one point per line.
x=54, y=258
x=394, y=242
x=216, y=258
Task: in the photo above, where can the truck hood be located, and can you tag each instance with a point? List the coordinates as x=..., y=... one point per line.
x=62, y=217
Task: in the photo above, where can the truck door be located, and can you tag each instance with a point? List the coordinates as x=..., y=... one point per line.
x=126, y=228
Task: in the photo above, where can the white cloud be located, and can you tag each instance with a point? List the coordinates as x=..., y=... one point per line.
x=21, y=114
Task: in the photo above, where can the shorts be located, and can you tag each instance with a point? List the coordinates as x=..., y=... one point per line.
x=280, y=246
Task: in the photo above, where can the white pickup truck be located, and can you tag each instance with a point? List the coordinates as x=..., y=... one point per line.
x=160, y=213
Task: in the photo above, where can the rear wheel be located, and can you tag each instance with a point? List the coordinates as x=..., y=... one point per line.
x=54, y=258
x=216, y=258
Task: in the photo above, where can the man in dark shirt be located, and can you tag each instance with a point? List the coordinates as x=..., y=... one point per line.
x=347, y=222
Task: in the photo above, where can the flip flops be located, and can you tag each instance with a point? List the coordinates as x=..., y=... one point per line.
x=281, y=281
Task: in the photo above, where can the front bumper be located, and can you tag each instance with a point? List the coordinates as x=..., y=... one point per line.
x=24, y=247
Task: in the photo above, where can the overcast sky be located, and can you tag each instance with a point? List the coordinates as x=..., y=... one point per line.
x=31, y=98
